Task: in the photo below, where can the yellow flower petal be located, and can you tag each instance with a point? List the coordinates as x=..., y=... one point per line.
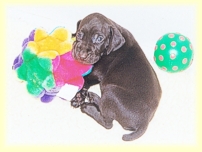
x=48, y=44
x=61, y=34
x=64, y=48
x=45, y=45
x=48, y=54
x=33, y=47
x=40, y=34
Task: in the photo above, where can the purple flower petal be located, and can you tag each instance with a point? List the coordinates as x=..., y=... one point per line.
x=31, y=35
x=25, y=42
x=47, y=98
x=17, y=62
x=23, y=48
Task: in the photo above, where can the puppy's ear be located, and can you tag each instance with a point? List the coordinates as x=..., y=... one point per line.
x=78, y=23
x=77, y=26
x=116, y=40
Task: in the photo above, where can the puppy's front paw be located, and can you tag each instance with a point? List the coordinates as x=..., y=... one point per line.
x=78, y=99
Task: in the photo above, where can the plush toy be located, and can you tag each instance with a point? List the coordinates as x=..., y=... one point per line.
x=173, y=52
x=46, y=63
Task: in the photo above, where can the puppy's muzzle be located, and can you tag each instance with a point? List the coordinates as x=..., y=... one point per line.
x=84, y=54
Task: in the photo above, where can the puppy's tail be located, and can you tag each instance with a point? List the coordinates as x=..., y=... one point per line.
x=135, y=134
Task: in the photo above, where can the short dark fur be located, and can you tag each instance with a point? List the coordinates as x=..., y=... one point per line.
x=130, y=90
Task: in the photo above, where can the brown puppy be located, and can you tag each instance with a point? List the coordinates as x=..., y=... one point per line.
x=130, y=90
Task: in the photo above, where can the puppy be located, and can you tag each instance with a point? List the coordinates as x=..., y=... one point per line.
x=130, y=90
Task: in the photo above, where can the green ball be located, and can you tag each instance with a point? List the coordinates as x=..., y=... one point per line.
x=173, y=52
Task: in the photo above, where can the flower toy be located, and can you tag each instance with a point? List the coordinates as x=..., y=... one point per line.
x=173, y=52
x=46, y=63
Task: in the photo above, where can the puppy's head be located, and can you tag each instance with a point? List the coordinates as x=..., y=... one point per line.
x=96, y=35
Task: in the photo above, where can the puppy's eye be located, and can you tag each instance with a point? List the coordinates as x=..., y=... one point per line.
x=99, y=39
x=79, y=35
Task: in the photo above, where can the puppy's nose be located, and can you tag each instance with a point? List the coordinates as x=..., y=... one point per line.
x=83, y=54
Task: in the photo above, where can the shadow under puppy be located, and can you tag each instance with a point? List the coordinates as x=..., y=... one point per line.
x=130, y=90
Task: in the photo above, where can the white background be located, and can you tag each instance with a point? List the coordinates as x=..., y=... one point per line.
x=30, y=121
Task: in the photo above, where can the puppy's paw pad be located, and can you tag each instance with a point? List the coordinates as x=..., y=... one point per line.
x=78, y=100
x=75, y=103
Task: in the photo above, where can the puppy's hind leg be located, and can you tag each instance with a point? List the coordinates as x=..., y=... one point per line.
x=92, y=110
